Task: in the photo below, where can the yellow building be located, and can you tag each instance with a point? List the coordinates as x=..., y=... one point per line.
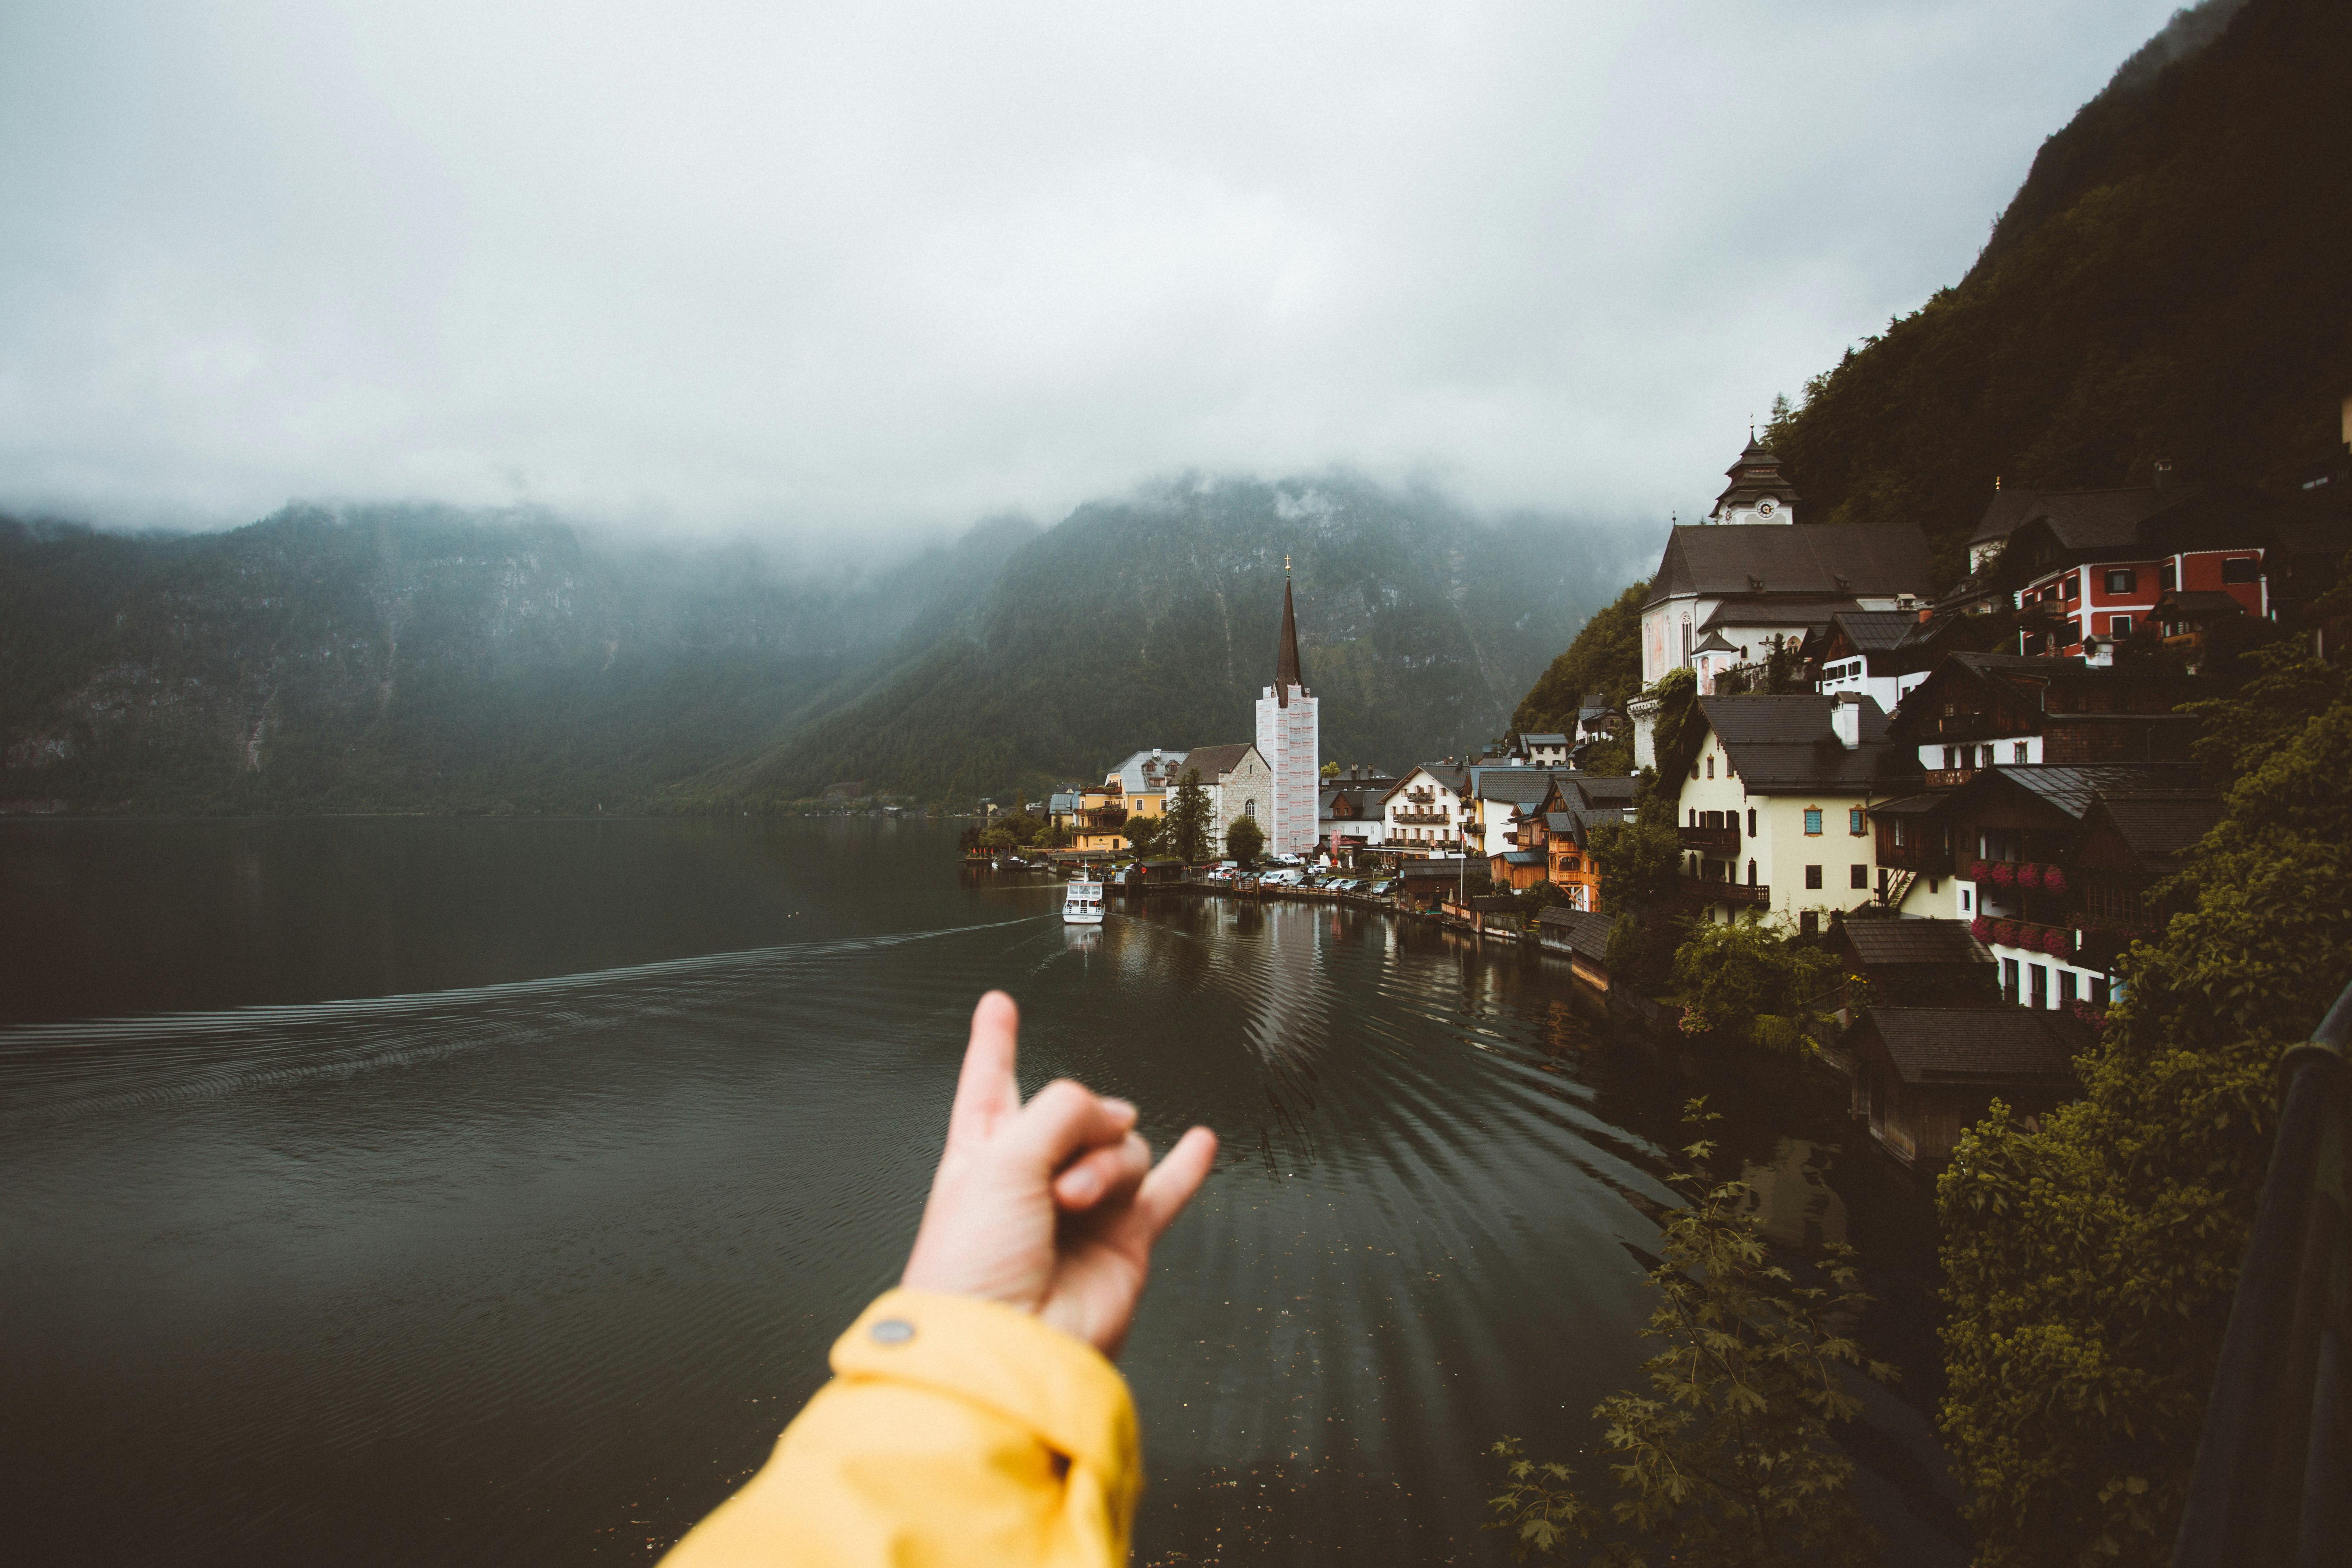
x=1774, y=809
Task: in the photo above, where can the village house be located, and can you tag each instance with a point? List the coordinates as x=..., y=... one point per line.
x=1544, y=750
x=1885, y=655
x=2011, y=842
x=1497, y=797
x=1422, y=815
x=1561, y=825
x=1099, y=827
x=1975, y=709
x=1350, y=816
x=1774, y=811
x=1922, y=1076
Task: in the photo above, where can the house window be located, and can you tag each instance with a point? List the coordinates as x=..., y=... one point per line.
x=1751, y=822
x=1809, y=925
x=2065, y=988
x=2241, y=568
x=1249, y=808
x=1694, y=817
x=2074, y=586
x=1751, y=873
x=2038, y=981
x=2120, y=625
x=2017, y=752
x=2122, y=580
x=2009, y=980
x=1963, y=900
x=2099, y=991
x=1814, y=824
x=2168, y=577
x=1951, y=758
x=1812, y=877
x=1854, y=820
x=1859, y=877
x=1710, y=766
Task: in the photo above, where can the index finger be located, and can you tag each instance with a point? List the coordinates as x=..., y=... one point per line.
x=986, y=1090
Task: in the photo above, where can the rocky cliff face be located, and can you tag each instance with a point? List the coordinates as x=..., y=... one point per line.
x=421, y=659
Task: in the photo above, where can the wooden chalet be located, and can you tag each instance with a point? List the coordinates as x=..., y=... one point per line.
x=1924, y=1075
x=1978, y=709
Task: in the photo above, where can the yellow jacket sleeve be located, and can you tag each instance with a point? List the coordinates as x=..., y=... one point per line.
x=954, y=1431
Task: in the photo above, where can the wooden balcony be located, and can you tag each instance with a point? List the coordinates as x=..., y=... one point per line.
x=1933, y=859
x=1711, y=892
x=1711, y=840
x=1948, y=778
x=1423, y=819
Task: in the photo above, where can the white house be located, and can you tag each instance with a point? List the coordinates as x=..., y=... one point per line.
x=1421, y=816
x=1774, y=813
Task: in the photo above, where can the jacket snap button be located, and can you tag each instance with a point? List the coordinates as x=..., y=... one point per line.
x=894, y=1331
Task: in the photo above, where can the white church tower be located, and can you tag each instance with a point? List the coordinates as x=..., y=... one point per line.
x=1290, y=740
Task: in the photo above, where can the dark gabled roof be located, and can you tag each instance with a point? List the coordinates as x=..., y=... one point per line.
x=1714, y=643
x=1594, y=702
x=1527, y=740
x=1601, y=789
x=1912, y=804
x=1514, y=784
x=2158, y=826
x=1523, y=857
x=1560, y=822
x=1784, y=743
x=1792, y=558
x=1878, y=631
x=1430, y=870
x=1586, y=933
x=1213, y=760
x=2073, y=789
x=2079, y=520
x=1909, y=942
x=1972, y=1044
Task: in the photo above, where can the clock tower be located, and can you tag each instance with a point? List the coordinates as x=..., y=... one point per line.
x=1758, y=492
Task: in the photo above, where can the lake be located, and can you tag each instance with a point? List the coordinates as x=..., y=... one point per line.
x=489, y=1192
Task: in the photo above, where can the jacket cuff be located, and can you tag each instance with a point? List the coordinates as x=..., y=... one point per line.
x=1058, y=1386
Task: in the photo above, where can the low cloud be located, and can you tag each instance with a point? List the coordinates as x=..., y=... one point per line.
x=862, y=271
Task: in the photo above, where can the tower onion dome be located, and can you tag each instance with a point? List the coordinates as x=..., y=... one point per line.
x=1286, y=650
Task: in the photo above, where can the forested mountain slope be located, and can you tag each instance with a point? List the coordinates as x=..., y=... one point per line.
x=2168, y=282
x=1151, y=621
x=405, y=658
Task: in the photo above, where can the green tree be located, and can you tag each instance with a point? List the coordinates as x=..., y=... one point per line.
x=2089, y=1266
x=1748, y=981
x=1144, y=834
x=1186, y=837
x=1733, y=1462
x=1606, y=657
x=1640, y=859
x=1244, y=841
x=1331, y=770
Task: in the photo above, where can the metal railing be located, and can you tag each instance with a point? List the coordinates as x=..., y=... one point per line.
x=2273, y=1483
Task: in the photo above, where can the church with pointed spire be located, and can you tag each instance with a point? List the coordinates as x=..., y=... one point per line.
x=1289, y=737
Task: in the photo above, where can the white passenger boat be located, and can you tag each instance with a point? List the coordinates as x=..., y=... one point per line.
x=1082, y=903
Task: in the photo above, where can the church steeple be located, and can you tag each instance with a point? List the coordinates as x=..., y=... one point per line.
x=1285, y=651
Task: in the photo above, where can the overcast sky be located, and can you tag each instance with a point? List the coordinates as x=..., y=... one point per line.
x=704, y=268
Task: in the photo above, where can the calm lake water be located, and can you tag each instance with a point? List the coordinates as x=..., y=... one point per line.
x=489, y=1191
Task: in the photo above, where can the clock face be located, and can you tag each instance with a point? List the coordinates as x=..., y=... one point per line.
x=1767, y=507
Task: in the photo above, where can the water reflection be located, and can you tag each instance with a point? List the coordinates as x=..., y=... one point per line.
x=441, y=1204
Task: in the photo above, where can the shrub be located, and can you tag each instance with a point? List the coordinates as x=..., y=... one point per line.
x=1981, y=928
x=1749, y=981
x=1735, y=1461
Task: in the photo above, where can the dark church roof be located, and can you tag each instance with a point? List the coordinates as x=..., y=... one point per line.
x=1285, y=650
x=1756, y=472
x=1829, y=560
x=1216, y=761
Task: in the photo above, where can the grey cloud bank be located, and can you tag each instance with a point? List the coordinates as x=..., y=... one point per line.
x=791, y=269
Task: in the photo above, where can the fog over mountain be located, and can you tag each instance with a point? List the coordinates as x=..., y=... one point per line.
x=849, y=271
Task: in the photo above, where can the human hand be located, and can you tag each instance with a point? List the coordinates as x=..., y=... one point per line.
x=1050, y=1206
